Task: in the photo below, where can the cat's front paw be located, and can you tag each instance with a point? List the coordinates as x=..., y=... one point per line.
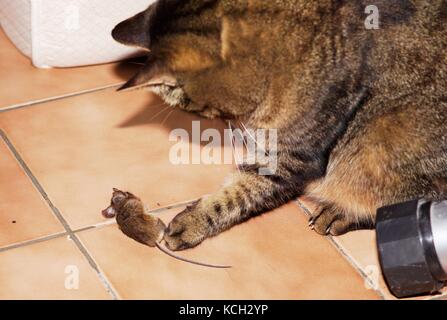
x=187, y=230
x=330, y=221
x=327, y=221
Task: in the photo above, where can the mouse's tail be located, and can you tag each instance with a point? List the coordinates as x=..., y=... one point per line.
x=169, y=253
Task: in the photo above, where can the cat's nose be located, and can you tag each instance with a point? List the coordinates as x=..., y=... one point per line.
x=109, y=213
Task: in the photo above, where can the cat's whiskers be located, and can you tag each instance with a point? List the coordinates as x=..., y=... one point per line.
x=157, y=105
x=235, y=153
x=243, y=139
x=167, y=117
x=159, y=113
x=267, y=153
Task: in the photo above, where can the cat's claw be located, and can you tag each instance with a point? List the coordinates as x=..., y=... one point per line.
x=327, y=221
x=311, y=221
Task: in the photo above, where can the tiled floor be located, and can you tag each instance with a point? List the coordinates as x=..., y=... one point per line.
x=22, y=84
x=66, y=142
x=21, y=206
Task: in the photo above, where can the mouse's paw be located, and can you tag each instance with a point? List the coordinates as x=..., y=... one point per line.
x=328, y=221
x=188, y=229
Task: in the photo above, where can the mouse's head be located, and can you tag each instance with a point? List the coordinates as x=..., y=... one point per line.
x=119, y=199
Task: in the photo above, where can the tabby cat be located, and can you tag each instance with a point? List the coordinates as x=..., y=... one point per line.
x=361, y=114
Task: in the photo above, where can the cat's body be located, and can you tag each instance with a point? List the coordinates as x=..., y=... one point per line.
x=361, y=114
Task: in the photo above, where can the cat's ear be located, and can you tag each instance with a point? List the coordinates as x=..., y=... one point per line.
x=153, y=73
x=134, y=31
x=139, y=30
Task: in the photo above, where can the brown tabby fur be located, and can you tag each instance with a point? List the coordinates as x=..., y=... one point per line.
x=361, y=114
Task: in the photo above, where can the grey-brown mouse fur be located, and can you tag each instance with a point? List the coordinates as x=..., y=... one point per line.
x=133, y=219
x=135, y=222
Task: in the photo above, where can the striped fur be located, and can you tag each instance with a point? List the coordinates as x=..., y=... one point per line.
x=360, y=114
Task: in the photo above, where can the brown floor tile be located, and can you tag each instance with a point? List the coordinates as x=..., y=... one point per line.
x=81, y=147
x=361, y=247
x=20, y=82
x=40, y=271
x=23, y=213
x=273, y=257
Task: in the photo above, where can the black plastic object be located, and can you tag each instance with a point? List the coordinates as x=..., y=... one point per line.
x=406, y=249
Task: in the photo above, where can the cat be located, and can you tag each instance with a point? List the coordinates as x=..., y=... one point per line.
x=360, y=113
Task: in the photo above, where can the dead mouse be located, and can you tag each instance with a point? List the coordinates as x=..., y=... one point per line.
x=132, y=219
x=135, y=222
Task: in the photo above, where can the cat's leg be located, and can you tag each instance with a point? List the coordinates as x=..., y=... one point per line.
x=380, y=165
x=247, y=196
x=301, y=158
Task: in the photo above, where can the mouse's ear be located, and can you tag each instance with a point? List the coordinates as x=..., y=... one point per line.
x=131, y=196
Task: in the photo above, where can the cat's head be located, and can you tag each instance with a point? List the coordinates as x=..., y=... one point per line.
x=199, y=59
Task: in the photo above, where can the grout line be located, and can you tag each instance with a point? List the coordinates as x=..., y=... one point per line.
x=102, y=277
x=175, y=205
x=96, y=226
x=59, y=216
x=345, y=254
x=33, y=241
x=60, y=97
